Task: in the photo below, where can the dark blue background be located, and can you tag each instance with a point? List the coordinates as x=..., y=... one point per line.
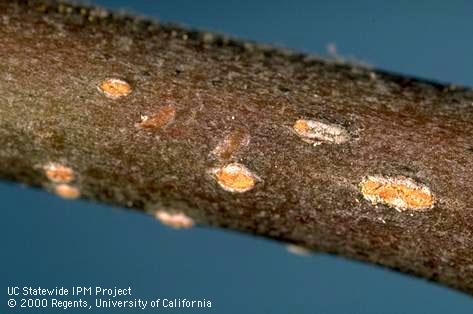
x=52, y=242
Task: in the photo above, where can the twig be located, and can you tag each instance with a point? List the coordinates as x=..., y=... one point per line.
x=198, y=128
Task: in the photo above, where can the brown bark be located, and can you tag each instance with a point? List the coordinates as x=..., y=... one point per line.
x=211, y=101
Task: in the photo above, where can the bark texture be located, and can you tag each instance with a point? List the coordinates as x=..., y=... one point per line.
x=205, y=90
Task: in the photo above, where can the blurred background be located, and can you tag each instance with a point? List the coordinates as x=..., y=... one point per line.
x=51, y=242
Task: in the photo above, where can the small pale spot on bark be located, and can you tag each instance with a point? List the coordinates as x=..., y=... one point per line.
x=230, y=145
x=316, y=132
x=400, y=193
x=235, y=177
x=114, y=88
x=59, y=173
x=174, y=220
x=161, y=119
x=67, y=191
x=298, y=250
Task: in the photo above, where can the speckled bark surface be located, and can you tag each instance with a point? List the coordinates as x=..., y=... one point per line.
x=53, y=57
